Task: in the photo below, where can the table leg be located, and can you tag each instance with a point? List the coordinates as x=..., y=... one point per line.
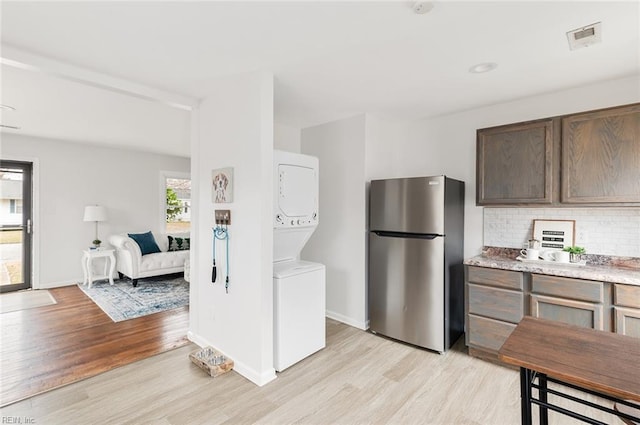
x=112, y=269
x=525, y=396
x=84, y=270
x=542, y=396
x=90, y=270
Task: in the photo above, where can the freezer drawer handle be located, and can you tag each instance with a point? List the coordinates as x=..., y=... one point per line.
x=386, y=234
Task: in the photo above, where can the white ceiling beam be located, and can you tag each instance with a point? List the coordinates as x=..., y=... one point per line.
x=16, y=58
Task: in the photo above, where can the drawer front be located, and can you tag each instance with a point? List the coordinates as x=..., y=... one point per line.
x=497, y=303
x=495, y=277
x=577, y=289
x=627, y=295
x=488, y=333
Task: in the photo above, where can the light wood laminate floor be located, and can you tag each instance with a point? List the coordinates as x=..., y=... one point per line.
x=359, y=378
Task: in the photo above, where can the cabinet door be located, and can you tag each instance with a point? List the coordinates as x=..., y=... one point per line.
x=579, y=313
x=601, y=156
x=627, y=321
x=514, y=164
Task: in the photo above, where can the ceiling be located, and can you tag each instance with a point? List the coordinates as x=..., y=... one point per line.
x=110, y=72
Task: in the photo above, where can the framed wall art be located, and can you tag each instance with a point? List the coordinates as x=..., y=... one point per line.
x=222, y=185
x=554, y=234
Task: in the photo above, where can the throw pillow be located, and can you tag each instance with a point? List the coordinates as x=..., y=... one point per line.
x=146, y=242
x=179, y=244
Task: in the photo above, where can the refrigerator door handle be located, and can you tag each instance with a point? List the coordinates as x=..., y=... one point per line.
x=386, y=234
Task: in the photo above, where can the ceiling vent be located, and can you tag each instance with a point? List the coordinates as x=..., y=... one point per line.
x=585, y=36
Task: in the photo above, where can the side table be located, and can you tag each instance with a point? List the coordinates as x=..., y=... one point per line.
x=88, y=255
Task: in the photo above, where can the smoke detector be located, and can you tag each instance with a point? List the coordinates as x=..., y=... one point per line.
x=585, y=36
x=422, y=7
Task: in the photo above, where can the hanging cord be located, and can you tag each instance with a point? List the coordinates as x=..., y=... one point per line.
x=220, y=234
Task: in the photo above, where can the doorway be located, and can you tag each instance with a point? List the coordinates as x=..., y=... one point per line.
x=16, y=223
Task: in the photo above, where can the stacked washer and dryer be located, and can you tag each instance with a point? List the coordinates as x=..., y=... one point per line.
x=299, y=286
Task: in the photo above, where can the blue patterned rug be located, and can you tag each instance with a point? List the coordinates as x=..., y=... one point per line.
x=152, y=295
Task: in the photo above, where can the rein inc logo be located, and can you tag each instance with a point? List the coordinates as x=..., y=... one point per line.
x=17, y=420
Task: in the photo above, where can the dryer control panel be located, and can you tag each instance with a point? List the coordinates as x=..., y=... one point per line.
x=296, y=190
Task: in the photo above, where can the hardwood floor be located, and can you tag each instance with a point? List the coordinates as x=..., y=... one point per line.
x=359, y=378
x=46, y=347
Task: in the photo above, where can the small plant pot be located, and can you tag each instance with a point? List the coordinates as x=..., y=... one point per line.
x=575, y=258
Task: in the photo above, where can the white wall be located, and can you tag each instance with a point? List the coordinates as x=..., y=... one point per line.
x=339, y=241
x=234, y=128
x=447, y=144
x=286, y=138
x=73, y=175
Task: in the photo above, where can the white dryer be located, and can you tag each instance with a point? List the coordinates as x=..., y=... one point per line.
x=299, y=286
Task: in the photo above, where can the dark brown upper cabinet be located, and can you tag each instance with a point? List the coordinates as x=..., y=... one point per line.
x=582, y=159
x=515, y=164
x=601, y=156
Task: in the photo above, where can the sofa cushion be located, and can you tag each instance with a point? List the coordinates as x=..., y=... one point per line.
x=163, y=261
x=178, y=244
x=146, y=242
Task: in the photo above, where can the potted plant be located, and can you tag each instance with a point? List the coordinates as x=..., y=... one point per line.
x=96, y=243
x=575, y=253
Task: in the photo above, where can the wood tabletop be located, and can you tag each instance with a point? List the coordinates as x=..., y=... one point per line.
x=596, y=360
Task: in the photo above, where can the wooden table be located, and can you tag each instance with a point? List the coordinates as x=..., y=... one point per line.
x=595, y=362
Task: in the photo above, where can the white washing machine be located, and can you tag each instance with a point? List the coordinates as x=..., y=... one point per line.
x=299, y=311
x=299, y=286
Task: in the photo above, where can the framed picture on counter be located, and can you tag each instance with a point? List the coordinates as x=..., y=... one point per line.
x=554, y=234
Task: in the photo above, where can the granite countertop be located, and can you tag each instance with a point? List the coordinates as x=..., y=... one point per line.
x=599, y=268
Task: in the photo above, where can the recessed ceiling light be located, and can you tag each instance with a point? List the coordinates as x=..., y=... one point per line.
x=422, y=7
x=483, y=67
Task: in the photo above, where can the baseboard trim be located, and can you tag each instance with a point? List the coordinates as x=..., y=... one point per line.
x=347, y=320
x=51, y=285
x=258, y=378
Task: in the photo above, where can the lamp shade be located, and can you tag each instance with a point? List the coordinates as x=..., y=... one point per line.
x=95, y=213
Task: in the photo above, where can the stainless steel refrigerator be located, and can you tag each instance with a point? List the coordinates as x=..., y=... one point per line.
x=415, y=273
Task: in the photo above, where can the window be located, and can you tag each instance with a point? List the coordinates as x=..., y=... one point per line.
x=178, y=205
x=15, y=206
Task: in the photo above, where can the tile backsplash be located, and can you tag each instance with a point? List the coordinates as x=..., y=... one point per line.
x=605, y=231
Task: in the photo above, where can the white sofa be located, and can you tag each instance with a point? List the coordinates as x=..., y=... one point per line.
x=131, y=263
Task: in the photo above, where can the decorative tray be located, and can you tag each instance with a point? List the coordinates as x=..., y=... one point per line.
x=555, y=263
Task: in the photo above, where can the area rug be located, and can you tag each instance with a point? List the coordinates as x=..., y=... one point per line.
x=121, y=301
x=22, y=300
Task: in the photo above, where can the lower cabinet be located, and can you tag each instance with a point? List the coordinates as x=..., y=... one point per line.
x=496, y=300
x=572, y=312
x=627, y=309
x=627, y=321
x=494, y=306
x=485, y=333
x=573, y=301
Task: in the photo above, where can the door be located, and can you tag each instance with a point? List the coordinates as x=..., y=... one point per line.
x=514, y=164
x=600, y=156
x=413, y=205
x=572, y=312
x=15, y=225
x=406, y=289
